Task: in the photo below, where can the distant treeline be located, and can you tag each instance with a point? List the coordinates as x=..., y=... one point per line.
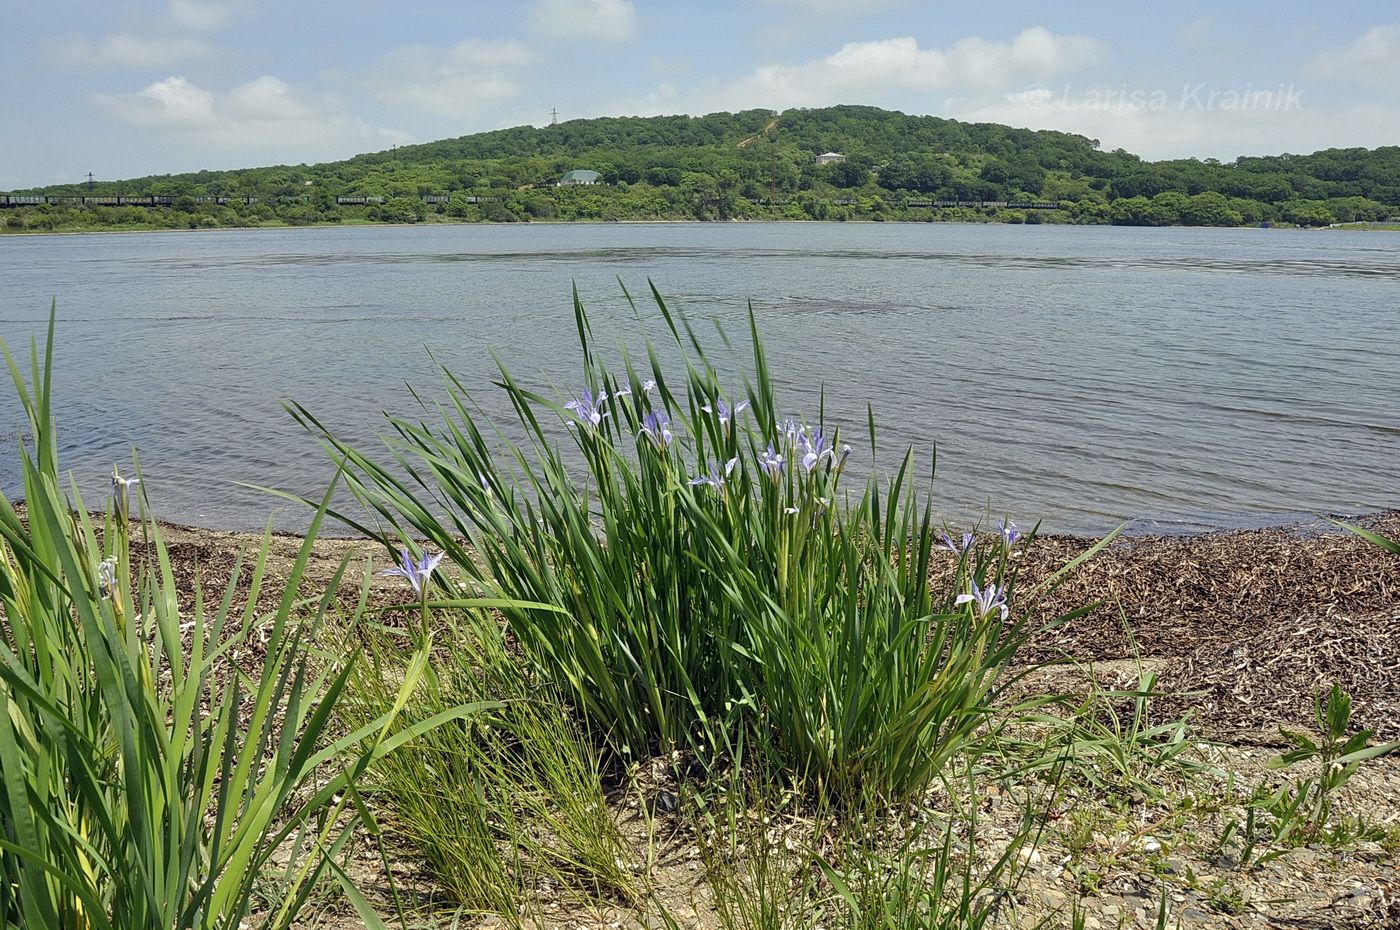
x=753, y=165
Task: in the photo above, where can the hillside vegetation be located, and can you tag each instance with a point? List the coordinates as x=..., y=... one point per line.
x=757, y=164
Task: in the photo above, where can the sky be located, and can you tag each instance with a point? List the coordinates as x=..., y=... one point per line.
x=124, y=88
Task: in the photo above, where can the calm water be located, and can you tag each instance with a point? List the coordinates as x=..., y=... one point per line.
x=1181, y=379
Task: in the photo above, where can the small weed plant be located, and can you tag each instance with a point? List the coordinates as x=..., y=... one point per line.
x=1301, y=811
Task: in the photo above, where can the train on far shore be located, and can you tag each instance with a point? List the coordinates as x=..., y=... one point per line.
x=166, y=200
x=157, y=200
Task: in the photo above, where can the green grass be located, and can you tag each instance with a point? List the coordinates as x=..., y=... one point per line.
x=154, y=758
x=501, y=803
x=775, y=862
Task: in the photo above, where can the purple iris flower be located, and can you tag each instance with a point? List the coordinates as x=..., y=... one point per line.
x=958, y=550
x=656, y=426
x=814, y=448
x=648, y=385
x=417, y=573
x=791, y=431
x=589, y=409
x=721, y=409
x=714, y=479
x=1009, y=533
x=987, y=599
x=770, y=460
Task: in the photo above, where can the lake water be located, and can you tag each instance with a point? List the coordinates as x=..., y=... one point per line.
x=1180, y=379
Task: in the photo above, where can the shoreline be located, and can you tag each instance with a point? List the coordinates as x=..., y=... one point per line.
x=25, y=233
x=1302, y=524
x=1241, y=625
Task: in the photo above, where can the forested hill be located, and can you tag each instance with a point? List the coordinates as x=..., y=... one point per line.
x=755, y=164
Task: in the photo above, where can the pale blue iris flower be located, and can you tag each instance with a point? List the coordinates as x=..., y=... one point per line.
x=714, y=479
x=589, y=409
x=721, y=410
x=771, y=461
x=814, y=448
x=1009, y=533
x=955, y=548
x=656, y=426
x=418, y=572
x=985, y=599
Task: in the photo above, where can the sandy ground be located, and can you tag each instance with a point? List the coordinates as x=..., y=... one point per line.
x=1250, y=623
x=1243, y=629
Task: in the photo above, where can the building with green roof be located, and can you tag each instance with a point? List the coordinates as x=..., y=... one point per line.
x=579, y=177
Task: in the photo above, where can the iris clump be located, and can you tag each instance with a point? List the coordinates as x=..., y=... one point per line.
x=722, y=589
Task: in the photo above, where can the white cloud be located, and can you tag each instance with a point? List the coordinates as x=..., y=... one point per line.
x=173, y=103
x=840, y=7
x=125, y=51
x=1184, y=120
x=261, y=116
x=1196, y=30
x=669, y=67
x=168, y=41
x=1372, y=59
x=600, y=20
x=869, y=72
x=202, y=15
x=454, y=82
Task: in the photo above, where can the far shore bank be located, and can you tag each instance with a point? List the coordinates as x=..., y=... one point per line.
x=30, y=233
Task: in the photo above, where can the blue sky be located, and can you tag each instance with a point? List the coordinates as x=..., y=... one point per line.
x=131, y=87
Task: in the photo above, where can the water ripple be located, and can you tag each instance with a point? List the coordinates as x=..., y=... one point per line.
x=1178, y=379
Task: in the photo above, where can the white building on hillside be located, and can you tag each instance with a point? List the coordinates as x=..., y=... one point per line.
x=579, y=177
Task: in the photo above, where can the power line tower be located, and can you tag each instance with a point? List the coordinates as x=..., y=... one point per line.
x=91, y=183
x=554, y=116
